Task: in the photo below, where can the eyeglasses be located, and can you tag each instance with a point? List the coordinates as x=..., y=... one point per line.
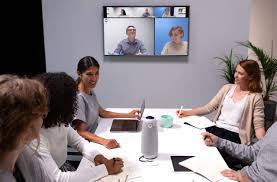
x=132, y=29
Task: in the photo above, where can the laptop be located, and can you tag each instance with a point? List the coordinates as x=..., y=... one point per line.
x=128, y=125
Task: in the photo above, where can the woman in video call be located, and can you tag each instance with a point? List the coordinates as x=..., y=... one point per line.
x=176, y=46
x=122, y=12
x=89, y=110
x=23, y=104
x=130, y=45
x=166, y=12
x=240, y=108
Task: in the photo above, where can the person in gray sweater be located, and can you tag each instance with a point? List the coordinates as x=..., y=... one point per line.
x=261, y=156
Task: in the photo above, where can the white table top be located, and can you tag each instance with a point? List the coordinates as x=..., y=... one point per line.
x=180, y=140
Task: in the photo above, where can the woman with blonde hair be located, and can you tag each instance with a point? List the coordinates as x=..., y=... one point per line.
x=177, y=46
x=23, y=104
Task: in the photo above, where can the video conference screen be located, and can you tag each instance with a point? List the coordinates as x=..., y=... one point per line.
x=146, y=31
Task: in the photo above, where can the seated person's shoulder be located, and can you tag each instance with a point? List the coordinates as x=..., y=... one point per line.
x=185, y=42
x=228, y=86
x=138, y=41
x=123, y=41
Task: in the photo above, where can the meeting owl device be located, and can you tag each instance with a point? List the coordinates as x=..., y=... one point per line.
x=149, y=138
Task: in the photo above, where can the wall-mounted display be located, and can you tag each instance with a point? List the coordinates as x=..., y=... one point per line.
x=146, y=31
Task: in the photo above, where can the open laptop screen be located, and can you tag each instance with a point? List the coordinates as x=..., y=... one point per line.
x=128, y=124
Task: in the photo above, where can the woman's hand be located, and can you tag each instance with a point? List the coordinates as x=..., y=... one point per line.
x=134, y=113
x=114, y=165
x=100, y=159
x=183, y=113
x=111, y=143
x=209, y=138
x=235, y=175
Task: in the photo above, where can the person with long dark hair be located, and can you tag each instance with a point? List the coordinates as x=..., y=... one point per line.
x=89, y=110
x=122, y=12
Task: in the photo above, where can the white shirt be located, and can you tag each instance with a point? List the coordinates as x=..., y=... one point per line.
x=171, y=48
x=43, y=164
x=6, y=176
x=231, y=112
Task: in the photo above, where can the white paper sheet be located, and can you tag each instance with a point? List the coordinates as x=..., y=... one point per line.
x=206, y=166
x=129, y=173
x=199, y=122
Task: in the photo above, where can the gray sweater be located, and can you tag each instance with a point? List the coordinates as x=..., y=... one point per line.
x=262, y=156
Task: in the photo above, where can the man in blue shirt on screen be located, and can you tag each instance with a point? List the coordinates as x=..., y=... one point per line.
x=130, y=45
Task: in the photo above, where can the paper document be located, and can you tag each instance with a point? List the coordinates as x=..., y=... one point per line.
x=129, y=173
x=199, y=122
x=206, y=166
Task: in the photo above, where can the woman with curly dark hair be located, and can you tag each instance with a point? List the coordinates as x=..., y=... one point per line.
x=56, y=134
x=23, y=104
x=89, y=110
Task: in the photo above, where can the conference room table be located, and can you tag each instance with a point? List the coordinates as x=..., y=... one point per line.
x=179, y=140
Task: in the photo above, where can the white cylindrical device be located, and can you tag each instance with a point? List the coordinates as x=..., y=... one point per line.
x=149, y=138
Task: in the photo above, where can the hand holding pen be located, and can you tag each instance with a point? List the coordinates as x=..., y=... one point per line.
x=179, y=112
x=184, y=113
x=114, y=165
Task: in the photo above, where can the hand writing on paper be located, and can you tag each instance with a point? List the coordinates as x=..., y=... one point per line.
x=114, y=165
x=235, y=175
x=111, y=143
x=209, y=138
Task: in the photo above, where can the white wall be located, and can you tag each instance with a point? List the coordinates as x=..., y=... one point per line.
x=263, y=27
x=74, y=29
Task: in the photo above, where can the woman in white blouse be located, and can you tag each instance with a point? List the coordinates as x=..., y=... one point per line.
x=177, y=46
x=240, y=108
x=56, y=134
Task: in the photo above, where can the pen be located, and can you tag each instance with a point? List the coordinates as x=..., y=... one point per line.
x=180, y=111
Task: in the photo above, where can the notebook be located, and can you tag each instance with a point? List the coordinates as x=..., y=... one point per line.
x=129, y=125
x=199, y=122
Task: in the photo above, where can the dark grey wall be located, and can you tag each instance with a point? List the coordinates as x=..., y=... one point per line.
x=74, y=29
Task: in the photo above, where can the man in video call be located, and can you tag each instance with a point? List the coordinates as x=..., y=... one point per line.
x=130, y=45
x=146, y=13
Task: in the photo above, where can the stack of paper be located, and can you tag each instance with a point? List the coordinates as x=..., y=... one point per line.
x=208, y=167
x=199, y=122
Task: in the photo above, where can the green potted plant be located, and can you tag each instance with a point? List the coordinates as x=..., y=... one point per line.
x=229, y=67
x=269, y=66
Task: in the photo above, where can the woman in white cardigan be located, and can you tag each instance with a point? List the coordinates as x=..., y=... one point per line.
x=56, y=134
